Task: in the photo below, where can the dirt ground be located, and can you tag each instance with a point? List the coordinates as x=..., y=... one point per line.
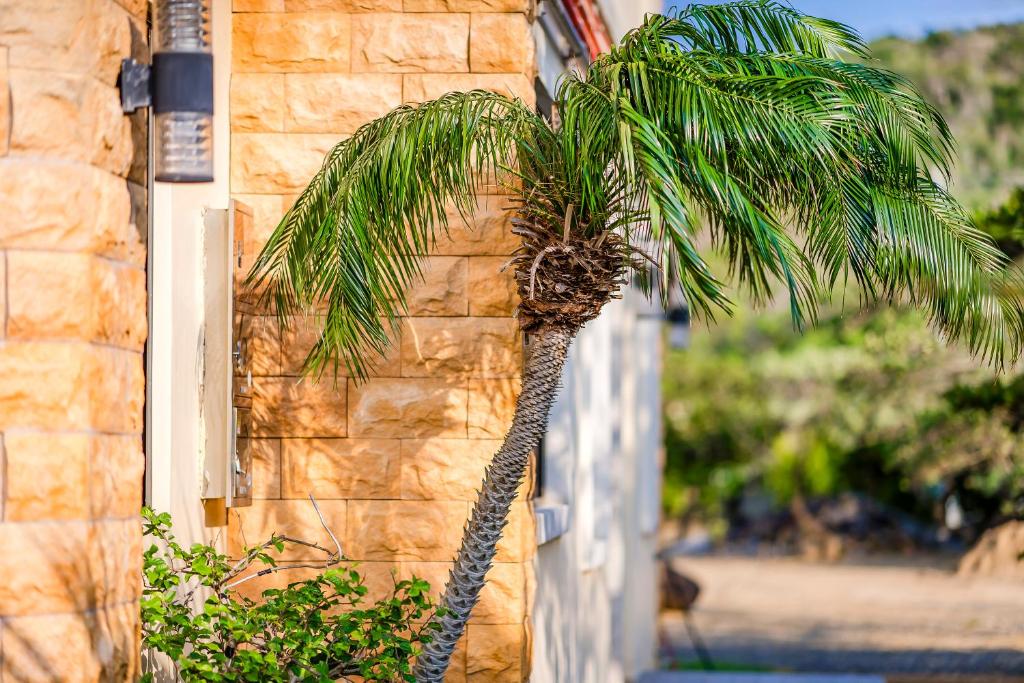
x=884, y=617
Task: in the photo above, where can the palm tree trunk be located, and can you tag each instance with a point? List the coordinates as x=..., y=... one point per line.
x=543, y=368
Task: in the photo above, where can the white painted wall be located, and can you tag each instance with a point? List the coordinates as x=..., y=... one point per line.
x=622, y=15
x=174, y=366
x=595, y=604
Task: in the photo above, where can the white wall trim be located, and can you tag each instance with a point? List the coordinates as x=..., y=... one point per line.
x=552, y=522
x=174, y=352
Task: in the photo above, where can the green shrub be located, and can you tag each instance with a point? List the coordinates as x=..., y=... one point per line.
x=871, y=403
x=313, y=630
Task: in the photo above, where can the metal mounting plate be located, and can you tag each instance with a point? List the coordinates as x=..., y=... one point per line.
x=134, y=82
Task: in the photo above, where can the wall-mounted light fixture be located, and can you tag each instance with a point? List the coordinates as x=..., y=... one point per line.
x=178, y=85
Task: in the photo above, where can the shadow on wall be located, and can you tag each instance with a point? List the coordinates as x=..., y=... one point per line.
x=72, y=610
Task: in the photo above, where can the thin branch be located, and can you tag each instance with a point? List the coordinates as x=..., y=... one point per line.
x=323, y=522
x=330, y=562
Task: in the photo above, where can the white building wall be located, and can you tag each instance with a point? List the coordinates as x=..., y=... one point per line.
x=595, y=605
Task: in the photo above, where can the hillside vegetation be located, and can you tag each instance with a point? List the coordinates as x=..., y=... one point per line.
x=976, y=78
x=868, y=422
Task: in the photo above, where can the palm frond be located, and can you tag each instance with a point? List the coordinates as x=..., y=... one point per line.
x=741, y=120
x=748, y=27
x=349, y=247
x=746, y=113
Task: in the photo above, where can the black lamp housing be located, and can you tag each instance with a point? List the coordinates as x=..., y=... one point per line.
x=179, y=88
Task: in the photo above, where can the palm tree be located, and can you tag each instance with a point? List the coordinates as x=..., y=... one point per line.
x=739, y=127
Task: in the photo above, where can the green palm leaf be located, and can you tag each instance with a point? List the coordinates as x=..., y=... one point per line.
x=352, y=243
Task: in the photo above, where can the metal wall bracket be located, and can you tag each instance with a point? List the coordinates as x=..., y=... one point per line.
x=135, y=85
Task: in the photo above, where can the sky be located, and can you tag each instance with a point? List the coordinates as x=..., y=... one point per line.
x=909, y=18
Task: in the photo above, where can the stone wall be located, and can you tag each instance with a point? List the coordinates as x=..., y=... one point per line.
x=72, y=331
x=394, y=462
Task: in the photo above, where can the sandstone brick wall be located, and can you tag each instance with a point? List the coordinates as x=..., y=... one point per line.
x=72, y=330
x=395, y=462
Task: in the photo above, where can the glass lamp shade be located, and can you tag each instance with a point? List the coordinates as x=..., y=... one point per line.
x=184, y=147
x=183, y=92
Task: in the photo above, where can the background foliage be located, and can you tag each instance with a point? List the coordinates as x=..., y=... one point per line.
x=873, y=403
x=976, y=78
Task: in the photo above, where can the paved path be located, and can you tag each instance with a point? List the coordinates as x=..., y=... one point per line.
x=886, y=618
x=687, y=677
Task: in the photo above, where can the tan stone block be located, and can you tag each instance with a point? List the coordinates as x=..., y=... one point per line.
x=116, y=561
x=443, y=289
x=492, y=292
x=400, y=43
x=73, y=385
x=116, y=468
x=488, y=233
x=523, y=6
x=297, y=341
x=494, y=654
x=76, y=296
x=66, y=207
x=461, y=347
x=422, y=87
x=135, y=7
x=285, y=43
x=100, y=646
x=343, y=5
x=117, y=391
x=338, y=103
x=46, y=476
x=500, y=43
x=341, y=468
x=85, y=37
x=257, y=5
x=254, y=525
x=60, y=579
x=44, y=384
x=261, y=345
x=503, y=598
x=300, y=339
x=408, y=408
x=274, y=163
x=266, y=467
x=257, y=102
x=71, y=117
x=519, y=538
x=388, y=530
x=282, y=406
x=3, y=294
x=451, y=469
x=5, y=104
x=445, y=469
x=492, y=403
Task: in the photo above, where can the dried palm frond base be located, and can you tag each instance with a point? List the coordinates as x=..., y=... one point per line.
x=565, y=279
